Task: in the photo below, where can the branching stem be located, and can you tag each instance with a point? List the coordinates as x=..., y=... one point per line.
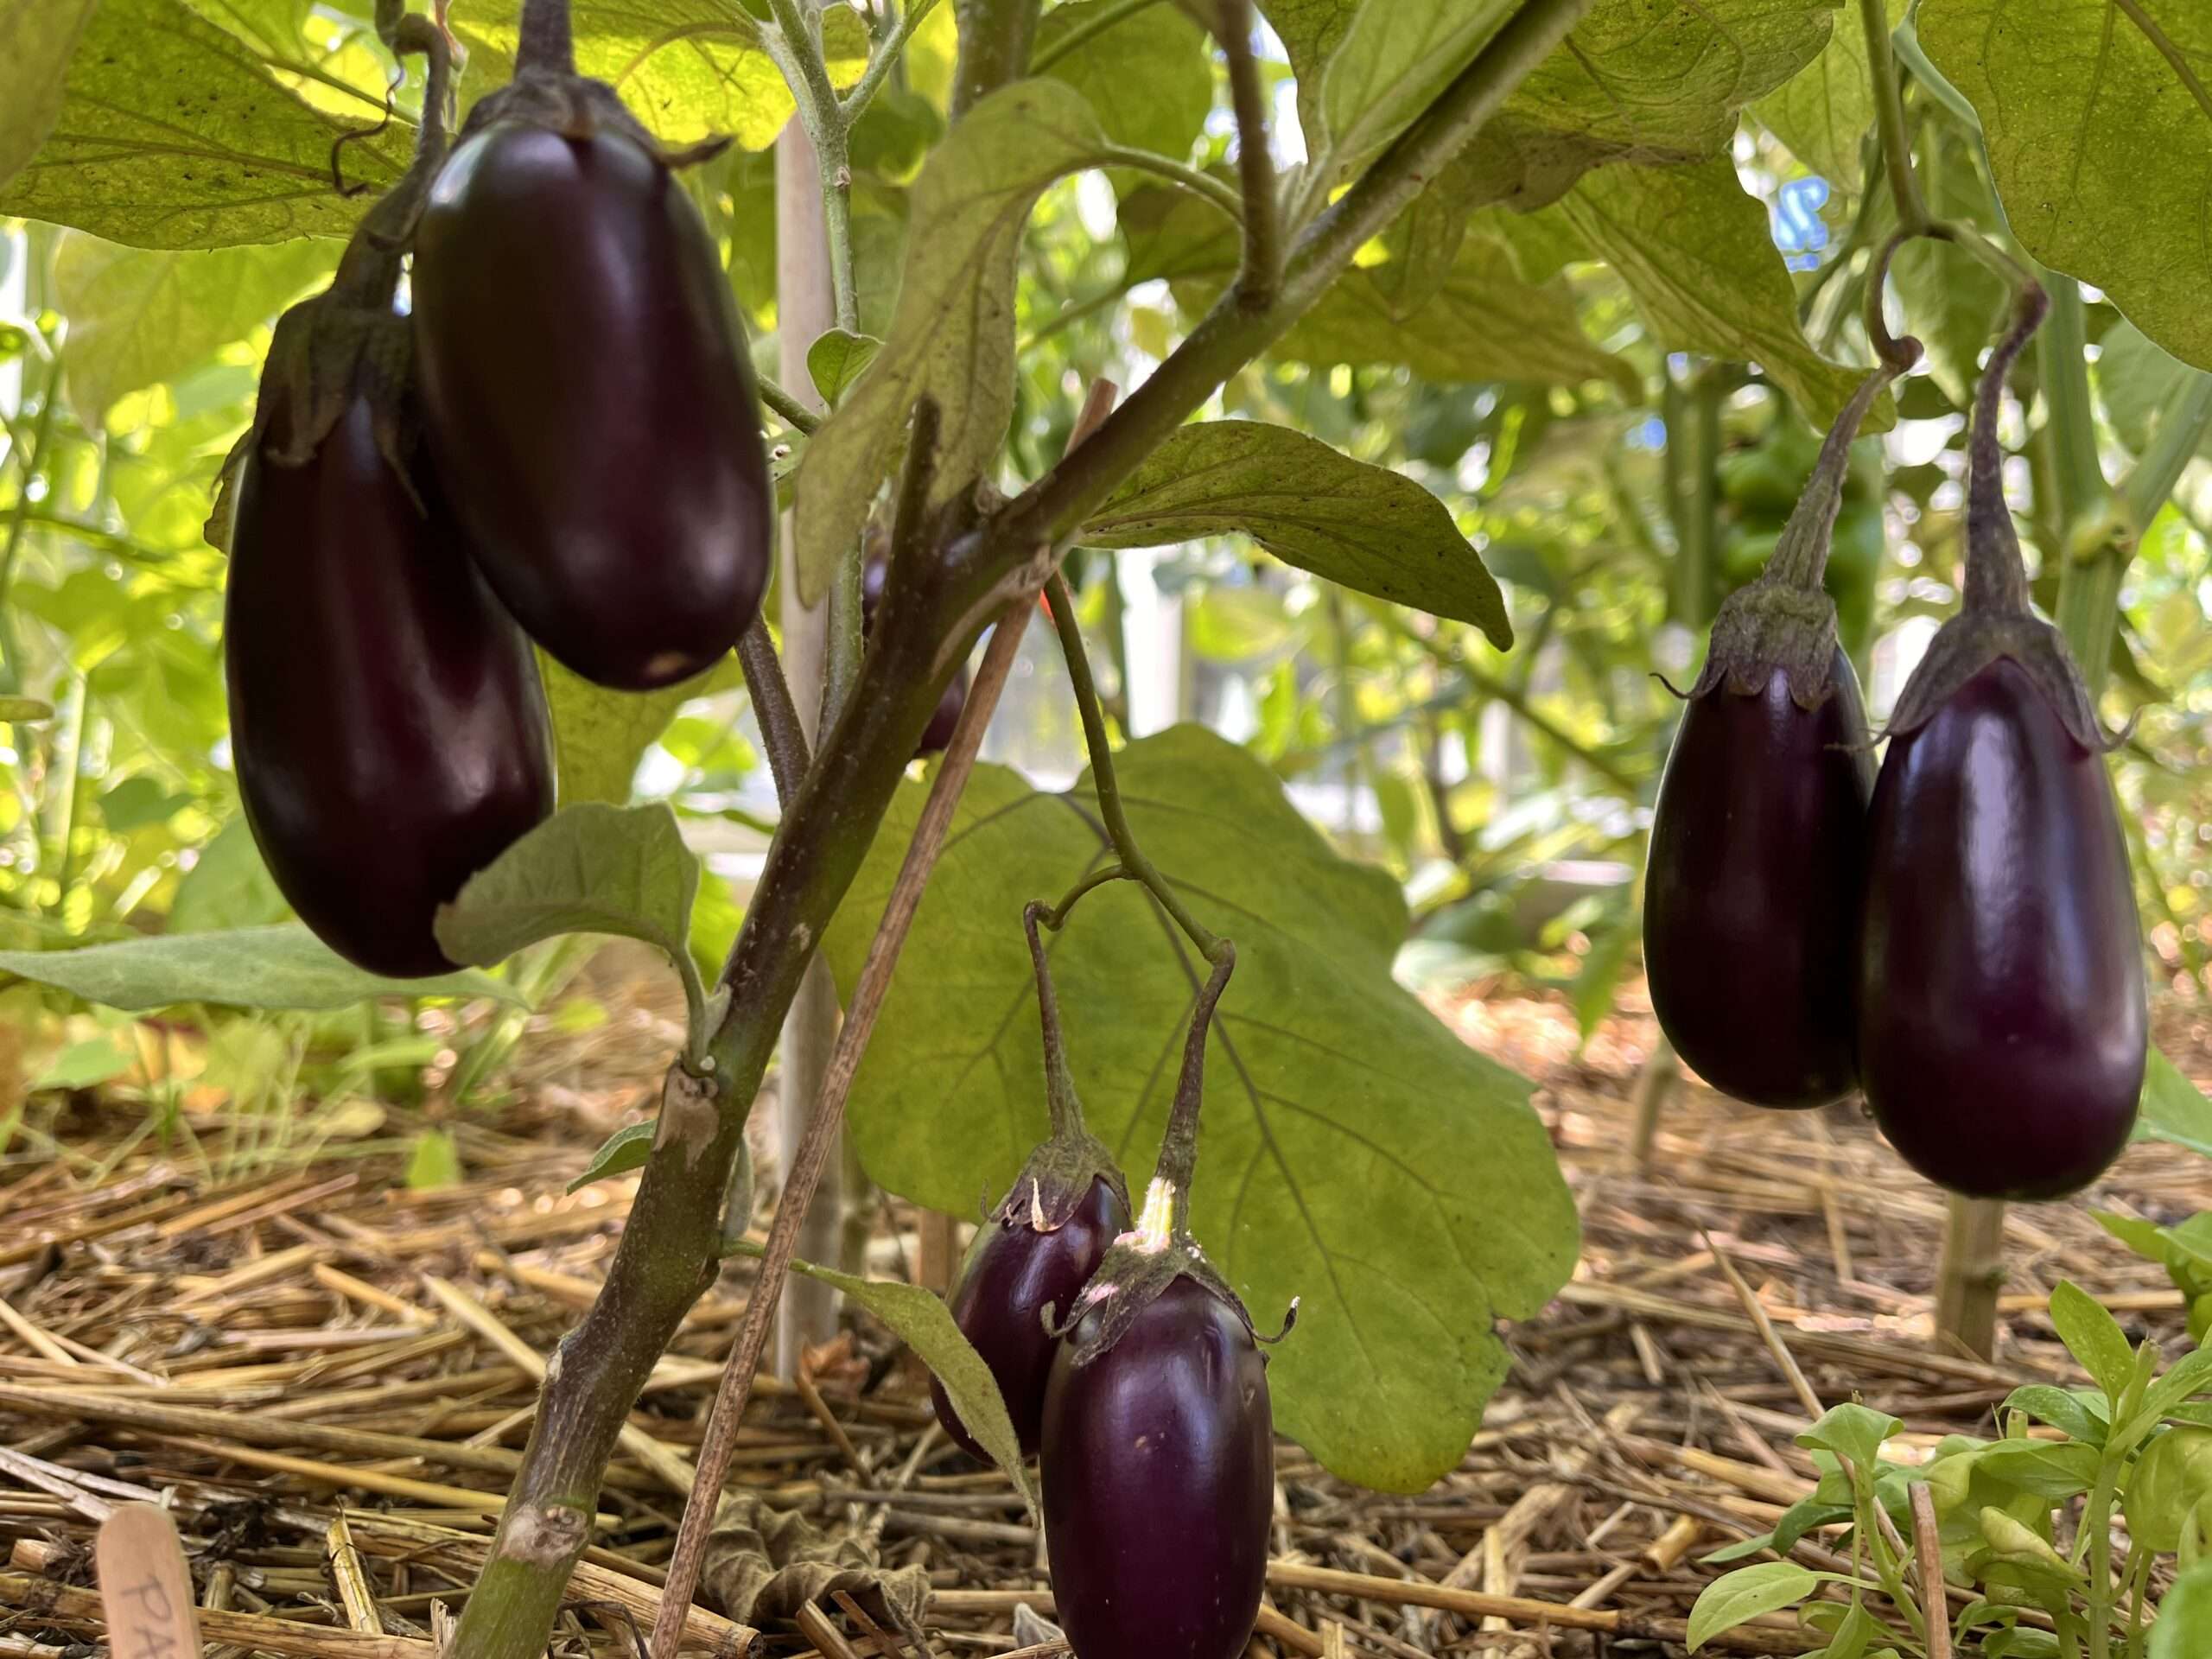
x=1255, y=168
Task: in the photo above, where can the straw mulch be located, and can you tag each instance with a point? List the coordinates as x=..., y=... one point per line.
x=328, y=1377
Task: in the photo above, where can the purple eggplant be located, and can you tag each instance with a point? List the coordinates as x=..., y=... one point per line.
x=387, y=726
x=1015, y=1273
x=588, y=396
x=2002, y=1025
x=1042, y=1244
x=1758, y=837
x=1751, y=897
x=2003, y=1037
x=388, y=729
x=1159, y=1473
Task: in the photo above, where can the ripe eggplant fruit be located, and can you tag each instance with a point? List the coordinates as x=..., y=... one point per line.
x=1751, y=894
x=1015, y=1274
x=587, y=392
x=387, y=725
x=1158, y=1452
x=1042, y=1244
x=2002, y=1021
x=937, y=736
x=1158, y=1474
x=1758, y=837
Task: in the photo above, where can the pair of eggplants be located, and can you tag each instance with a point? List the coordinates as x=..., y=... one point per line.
x=1956, y=936
x=561, y=444
x=1148, y=1408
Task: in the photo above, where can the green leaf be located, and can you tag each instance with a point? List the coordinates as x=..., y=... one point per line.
x=2135, y=380
x=227, y=887
x=84, y=1065
x=2173, y=1109
x=1355, y=1153
x=2098, y=131
x=2093, y=1337
x=2053, y=1470
x=690, y=70
x=435, y=1163
x=621, y=1153
x=835, y=361
x=1484, y=323
x=173, y=134
x=1148, y=76
x=36, y=39
x=267, y=968
x=2192, y=1374
x=1739, y=1596
x=1366, y=527
x=1602, y=965
x=139, y=801
x=600, y=735
x=1393, y=62
x=139, y=316
x=951, y=339
x=589, y=868
x=25, y=710
x=918, y=1318
x=1695, y=252
x=1650, y=82
x=1853, y=1431
x=2183, y=1630
x=2063, y=1409
x=1824, y=112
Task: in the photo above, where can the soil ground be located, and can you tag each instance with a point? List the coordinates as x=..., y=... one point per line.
x=270, y=1347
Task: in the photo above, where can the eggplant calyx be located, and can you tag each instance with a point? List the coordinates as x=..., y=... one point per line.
x=1137, y=1269
x=1053, y=1184
x=1772, y=625
x=1970, y=642
x=1785, y=621
x=578, y=107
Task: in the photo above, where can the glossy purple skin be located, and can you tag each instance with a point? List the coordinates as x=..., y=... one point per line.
x=1752, y=896
x=1158, y=1468
x=387, y=726
x=590, y=401
x=1000, y=1302
x=2002, y=1030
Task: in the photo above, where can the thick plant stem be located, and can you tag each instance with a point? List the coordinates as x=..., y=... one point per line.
x=1255, y=168
x=659, y=1267
x=995, y=40
x=1889, y=118
x=1179, y=1145
x=1971, y=1273
x=797, y=51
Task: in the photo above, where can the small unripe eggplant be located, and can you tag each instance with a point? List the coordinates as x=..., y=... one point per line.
x=2002, y=1025
x=1015, y=1273
x=387, y=726
x=587, y=395
x=1751, y=897
x=2002, y=1031
x=1042, y=1244
x=1158, y=1474
x=1758, y=837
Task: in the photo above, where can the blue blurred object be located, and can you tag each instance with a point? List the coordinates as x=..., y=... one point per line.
x=1799, y=229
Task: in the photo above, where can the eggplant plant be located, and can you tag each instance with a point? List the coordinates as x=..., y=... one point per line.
x=489, y=547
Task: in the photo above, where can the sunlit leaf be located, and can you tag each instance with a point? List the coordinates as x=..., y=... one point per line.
x=1145, y=73
x=1355, y=1153
x=36, y=38
x=283, y=967
x=952, y=337
x=1695, y=252
x=1739, y=1596
x=172, y=133
x=1824, y=111
x=2099, y=127
x=1364, y=526
x=600, y=735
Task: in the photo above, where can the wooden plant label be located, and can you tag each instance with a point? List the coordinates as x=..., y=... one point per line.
x=145, y=1587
